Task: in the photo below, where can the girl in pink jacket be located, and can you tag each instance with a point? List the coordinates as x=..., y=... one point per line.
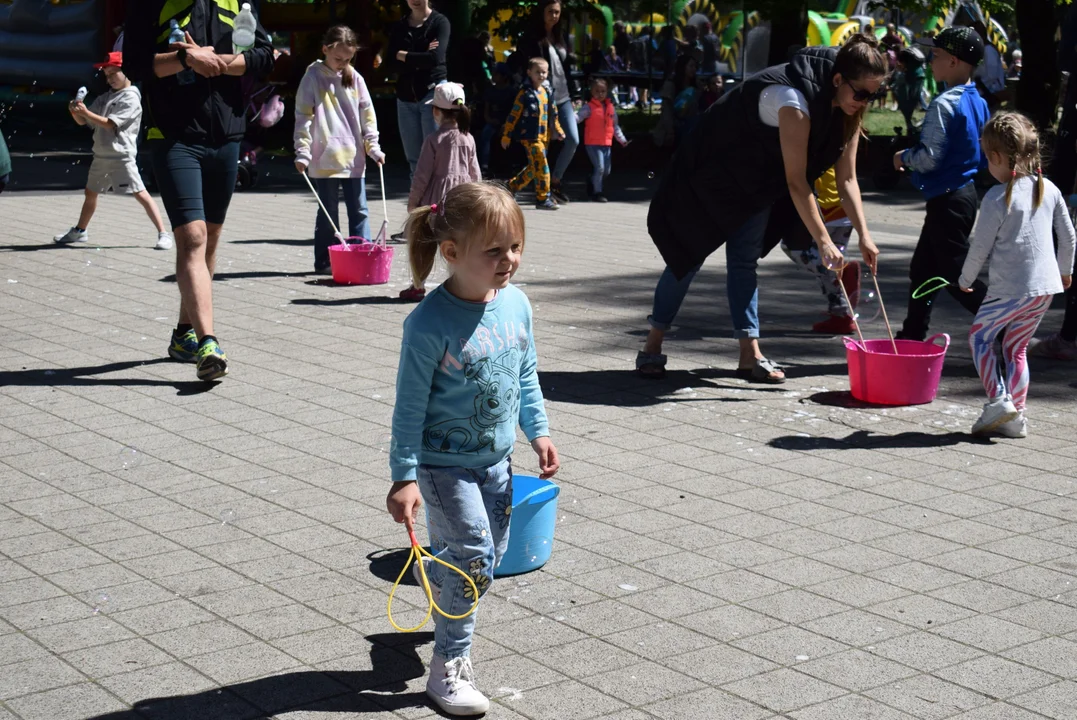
x=448, y=159
x=335, y=128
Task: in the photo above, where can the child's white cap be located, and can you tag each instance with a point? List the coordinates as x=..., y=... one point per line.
x=448, y=96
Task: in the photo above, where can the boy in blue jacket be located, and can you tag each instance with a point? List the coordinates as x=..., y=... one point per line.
x=944, y=165
x=538, y=114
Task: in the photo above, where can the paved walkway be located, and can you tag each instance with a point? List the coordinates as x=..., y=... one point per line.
x=723, y=550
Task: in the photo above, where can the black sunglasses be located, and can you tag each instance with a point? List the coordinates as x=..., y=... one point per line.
x=867, y=95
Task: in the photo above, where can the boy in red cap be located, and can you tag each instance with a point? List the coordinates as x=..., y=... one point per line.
x=115, y=117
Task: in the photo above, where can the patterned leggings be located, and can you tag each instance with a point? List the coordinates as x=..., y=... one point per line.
x=537, y=169
x=1019, y=318
x=829, y=281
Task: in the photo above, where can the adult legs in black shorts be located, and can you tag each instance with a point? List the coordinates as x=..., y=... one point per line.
x=196, y=184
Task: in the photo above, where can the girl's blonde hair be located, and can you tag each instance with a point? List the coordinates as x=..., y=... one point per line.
x=1013, y=136
x=469, y=215
x=343, y=35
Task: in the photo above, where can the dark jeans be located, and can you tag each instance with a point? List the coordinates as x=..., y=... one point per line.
x=940, y=252
x=1069, y=322
x=4, y=181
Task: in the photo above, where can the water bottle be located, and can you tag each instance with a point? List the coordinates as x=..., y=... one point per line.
x=244, y=29
x=176, y=36
x=185, y=77
x=81, y=94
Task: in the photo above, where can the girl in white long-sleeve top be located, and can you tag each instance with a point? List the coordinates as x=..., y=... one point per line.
x=1014, y=229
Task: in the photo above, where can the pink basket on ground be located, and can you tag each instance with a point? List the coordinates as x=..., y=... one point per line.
x=360, y=262
x=911, y=377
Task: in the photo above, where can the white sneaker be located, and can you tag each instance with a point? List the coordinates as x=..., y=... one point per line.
x=165, y=241
x=73, y=235
x=997, y=412
x=435, y=590
x=1017, y=428
x=451, y=686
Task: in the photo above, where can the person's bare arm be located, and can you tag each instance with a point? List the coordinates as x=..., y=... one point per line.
x=794, y=127
x=851, y=202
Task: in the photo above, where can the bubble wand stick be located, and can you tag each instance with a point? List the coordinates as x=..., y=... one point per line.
x=849, y=304
x=417, y=551
x=882, y=306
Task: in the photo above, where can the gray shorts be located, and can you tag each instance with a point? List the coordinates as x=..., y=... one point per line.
x=117, y=174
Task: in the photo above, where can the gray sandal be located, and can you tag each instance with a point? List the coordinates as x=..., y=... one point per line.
x=651, y=365
x=762, y=371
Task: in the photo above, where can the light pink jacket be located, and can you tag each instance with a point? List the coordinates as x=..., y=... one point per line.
x=330, y=119
x=448, y=159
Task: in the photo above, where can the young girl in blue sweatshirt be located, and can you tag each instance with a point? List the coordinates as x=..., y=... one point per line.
x=467, y=378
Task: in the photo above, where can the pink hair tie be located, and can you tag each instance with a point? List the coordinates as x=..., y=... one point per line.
x=434, y=208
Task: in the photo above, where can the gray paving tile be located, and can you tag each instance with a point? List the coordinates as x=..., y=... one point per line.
x=784, y=690
x=75, y=702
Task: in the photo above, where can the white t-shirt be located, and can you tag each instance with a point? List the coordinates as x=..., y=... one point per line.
x=775, y=97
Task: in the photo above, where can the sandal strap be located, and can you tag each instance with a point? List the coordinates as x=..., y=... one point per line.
x=650, y=359
x=768, y=366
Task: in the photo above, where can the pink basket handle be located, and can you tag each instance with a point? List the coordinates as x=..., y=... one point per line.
x=931, y=340
x=855, y=342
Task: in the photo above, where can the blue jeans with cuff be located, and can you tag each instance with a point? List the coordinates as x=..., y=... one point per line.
x=742, y=250
x=415, y=120
x=600, y=161
x=467, y=512
x=358, y=214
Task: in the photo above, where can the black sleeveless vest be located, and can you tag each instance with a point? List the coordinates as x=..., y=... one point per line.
x=730, y=166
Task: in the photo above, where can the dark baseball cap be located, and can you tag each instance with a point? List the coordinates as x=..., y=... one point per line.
x=961, y=41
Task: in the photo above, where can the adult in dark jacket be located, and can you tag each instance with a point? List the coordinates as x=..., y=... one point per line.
x=772, y=135
x=195, y=96
x=417, y=47
x=546, y=39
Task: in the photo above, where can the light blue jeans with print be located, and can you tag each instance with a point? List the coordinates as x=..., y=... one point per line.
x=566, y=115
x=467, y=513
x=600, y=161
x=415, y=120
x=742, y=250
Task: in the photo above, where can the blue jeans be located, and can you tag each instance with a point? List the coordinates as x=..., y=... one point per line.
x=358, y=214
x=467, y=513
x=487, y=137
x=600, y=161
x=567, y=117
x=415, y=121
x=742, y=250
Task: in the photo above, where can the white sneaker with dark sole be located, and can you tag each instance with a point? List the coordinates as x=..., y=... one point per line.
x=451, y=686
x=165, y=241
x=1017, y=428
x=996, y=413
x=74, y=235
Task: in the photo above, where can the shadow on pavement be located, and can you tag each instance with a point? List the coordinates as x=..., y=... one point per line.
x=625, y=388
x=394, y=661
x=84, y=377
x=372, y=300
x=251, y=275
x=386, y=565
x=865, y=439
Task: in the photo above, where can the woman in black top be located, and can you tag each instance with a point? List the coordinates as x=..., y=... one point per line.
x=417, y=47
x=546, y=39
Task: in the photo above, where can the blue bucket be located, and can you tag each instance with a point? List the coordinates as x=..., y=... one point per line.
x=531, y=525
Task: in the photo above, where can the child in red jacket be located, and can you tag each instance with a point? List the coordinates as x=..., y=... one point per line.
x=600, y=127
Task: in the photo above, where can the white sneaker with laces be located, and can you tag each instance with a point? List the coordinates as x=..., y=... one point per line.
x=997, y=412
x=1017, y=428
x=165, y=241
x=435, y=590
x=451, y=686
x=73, y=235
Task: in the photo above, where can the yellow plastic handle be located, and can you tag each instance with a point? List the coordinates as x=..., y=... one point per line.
x=417, y=551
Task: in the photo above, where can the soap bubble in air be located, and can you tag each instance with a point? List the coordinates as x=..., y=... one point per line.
x=228, y=516
x=100, y=602
x=537, y=548
x=130, y=457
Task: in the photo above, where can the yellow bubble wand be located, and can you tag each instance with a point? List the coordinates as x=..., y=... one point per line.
x=417, y=552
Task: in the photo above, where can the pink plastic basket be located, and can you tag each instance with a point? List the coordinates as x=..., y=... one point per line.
x=878, y=376
x=360, y=262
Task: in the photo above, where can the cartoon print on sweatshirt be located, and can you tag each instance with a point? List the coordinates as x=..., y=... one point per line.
x=498, y=398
